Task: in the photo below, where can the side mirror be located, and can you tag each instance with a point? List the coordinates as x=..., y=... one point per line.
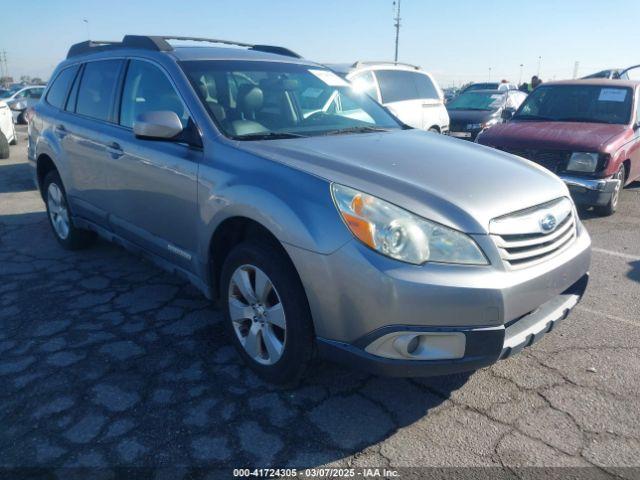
x=18, y=106
x=507, y=113
x=159, y=125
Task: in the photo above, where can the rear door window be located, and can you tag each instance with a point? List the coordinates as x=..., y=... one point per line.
x=60, y=86
x=98, y=88
x=396, y=85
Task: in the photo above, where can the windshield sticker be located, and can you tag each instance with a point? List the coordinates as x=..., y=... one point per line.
x=612, y=95
x=329, y=78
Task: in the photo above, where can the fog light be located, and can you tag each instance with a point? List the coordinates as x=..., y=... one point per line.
x=419, y=345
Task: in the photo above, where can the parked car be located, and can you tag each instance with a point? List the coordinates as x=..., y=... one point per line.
x=21, y=99
x=586, y=131
x=630, y=73
x=410, y=93
x=476, y=110
x=342, y=232
x=488, y=86
x=7, y=130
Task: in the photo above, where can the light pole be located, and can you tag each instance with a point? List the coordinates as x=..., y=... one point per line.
x=539, y=65
x=489, y=73
x=86, y=22
x=397, y=25
x=520, y=79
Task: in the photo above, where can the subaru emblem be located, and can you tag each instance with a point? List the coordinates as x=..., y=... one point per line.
x=548, y=222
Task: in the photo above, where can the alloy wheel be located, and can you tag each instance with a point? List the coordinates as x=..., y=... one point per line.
x=58, y=211
x=257, y=314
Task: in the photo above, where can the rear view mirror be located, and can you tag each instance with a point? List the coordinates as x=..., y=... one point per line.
x=161, y=125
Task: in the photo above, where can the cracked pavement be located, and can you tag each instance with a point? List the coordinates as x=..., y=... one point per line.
x=107, y=361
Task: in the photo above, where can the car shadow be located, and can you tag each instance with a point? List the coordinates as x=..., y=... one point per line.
x=15, y=177
x=634, y=273
x=107, y=360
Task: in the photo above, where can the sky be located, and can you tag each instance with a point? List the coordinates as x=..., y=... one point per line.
x=457, y=41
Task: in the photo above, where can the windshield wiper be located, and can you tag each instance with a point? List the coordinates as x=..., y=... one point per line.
x=360, y=129
x=268, y=136
x=534, y=117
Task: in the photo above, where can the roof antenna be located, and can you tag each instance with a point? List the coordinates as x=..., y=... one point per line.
x=397, y=25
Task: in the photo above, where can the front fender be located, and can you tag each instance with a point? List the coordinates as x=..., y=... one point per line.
x=294, y=206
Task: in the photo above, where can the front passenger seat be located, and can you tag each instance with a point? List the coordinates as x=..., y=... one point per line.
x=250, y=100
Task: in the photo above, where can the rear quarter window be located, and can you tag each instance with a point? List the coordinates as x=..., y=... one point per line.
x=60, y=87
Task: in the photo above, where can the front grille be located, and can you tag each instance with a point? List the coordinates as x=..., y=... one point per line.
x=554, y=160
x=521, y=239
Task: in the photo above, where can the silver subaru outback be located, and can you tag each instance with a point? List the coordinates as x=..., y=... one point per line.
x=321, y=223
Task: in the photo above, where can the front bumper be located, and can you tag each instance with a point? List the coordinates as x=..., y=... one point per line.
x=484, y=346
x=590, y=191
x=356, y=296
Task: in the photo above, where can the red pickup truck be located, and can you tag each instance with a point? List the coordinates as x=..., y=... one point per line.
x=585, y=131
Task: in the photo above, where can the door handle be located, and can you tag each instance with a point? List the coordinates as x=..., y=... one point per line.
x=115, y=150
x=60, y=130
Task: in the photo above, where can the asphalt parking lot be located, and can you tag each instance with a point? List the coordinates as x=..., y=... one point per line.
x=107, y=361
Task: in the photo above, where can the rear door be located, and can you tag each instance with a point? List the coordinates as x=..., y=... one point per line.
x=88, y=137
x=434, y=112
x=154, y=182
x=399, y=93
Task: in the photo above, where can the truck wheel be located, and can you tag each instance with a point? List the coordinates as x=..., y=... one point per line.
x=69, y=236
x=267, y=314
x=4, y=147
x=611, y=207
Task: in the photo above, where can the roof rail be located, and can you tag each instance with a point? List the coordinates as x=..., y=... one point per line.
x=160, y=44
x=360, y=63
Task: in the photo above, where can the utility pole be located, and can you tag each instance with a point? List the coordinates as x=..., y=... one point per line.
x=397, y=25
x=88, y=31
x=539, y=65
x=3, y=64
x=575, y=69
x=520, y=79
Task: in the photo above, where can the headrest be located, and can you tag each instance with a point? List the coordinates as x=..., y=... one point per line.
x=250, y=99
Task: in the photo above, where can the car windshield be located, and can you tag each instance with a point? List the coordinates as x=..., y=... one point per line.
x=269, y=100
x=477, y=100
x=481, y=86
x=578, y=103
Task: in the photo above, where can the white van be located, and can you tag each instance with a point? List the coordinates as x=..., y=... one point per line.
x=410, y=93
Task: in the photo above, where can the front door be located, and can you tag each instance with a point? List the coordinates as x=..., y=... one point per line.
x=153, y=183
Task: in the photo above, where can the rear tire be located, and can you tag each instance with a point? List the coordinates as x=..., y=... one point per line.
x=69, y=236
x=21, y=120
x=433, y=130
x=4, y=147
x=611, y=207
x=278, y=355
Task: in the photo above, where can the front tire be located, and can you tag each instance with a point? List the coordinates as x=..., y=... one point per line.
x=611, y=207
x=267, y=314
x=69, y=236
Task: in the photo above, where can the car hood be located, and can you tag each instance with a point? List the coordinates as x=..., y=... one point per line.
x=470, y=116
x=455, y=183
x=579, y=136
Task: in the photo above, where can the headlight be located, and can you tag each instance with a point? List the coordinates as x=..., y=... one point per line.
x=583, y=162
x=483, y=125
x=401, y=235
